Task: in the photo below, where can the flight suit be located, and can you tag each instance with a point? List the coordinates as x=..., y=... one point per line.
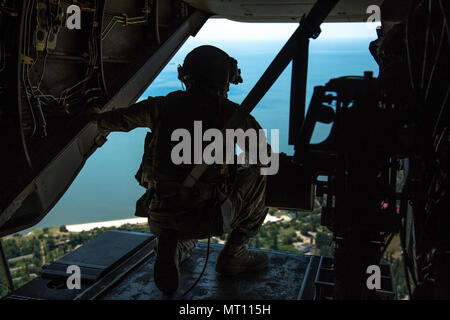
x=244, y=185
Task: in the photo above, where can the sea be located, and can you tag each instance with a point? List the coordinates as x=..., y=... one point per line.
x=105, y=189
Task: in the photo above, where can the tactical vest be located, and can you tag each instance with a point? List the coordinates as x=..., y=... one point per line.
x=179, y=110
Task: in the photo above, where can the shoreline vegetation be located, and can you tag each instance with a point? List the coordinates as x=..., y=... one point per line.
x=289, y=231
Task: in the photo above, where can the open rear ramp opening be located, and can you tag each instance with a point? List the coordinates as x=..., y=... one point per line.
x=122, y=269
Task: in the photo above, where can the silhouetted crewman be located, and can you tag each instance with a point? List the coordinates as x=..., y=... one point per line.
x=179, y=215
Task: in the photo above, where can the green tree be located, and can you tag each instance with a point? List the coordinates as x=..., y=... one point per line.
x=323, y=243
x=304, y=229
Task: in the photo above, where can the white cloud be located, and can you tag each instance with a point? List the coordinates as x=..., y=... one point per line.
x=223, y=29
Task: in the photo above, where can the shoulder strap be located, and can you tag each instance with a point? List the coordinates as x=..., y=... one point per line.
x=233, y=122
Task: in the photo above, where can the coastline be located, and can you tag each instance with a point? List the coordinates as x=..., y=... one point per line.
x=120, y=222
x=100, y=224
x=104, y=224
x=117, y=223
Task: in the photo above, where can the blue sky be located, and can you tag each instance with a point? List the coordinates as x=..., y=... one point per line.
x=223, y=29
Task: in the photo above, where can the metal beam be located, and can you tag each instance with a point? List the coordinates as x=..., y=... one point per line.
x=134, y=88
x=299, y=80
x=52, y=182
x=309, y=28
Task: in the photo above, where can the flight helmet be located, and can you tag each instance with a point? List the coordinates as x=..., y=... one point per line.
x=209, y=66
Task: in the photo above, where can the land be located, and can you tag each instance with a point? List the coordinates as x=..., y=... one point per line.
x=289, y=231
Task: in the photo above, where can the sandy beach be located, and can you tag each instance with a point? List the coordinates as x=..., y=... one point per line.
x=103, y=224
x=117, y=223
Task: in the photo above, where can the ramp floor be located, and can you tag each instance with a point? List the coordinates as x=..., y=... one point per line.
x=281, y=281
x=123, y=265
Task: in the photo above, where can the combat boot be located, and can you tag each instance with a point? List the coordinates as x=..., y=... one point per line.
x=170, y=253
x=166, y=269
x=235, y=258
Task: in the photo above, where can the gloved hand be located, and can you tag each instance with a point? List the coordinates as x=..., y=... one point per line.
x=92, y=113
